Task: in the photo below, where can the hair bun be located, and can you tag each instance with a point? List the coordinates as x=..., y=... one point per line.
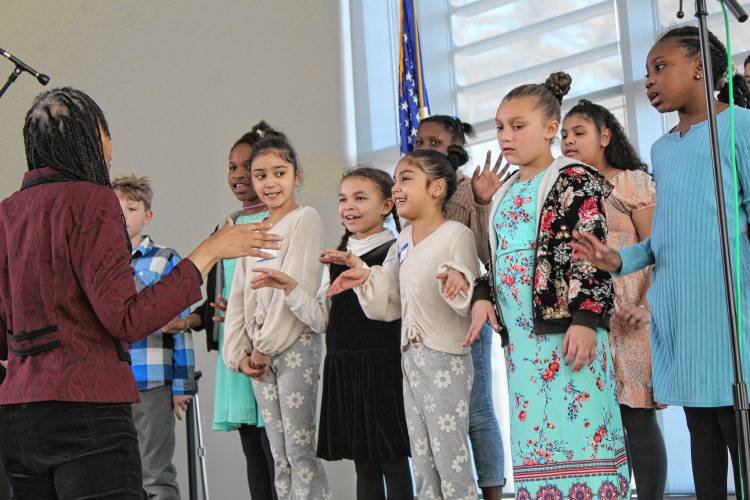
x=559, y=84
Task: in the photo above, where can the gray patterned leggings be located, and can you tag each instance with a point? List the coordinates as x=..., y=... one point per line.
x=437, y=386
x=288, y=397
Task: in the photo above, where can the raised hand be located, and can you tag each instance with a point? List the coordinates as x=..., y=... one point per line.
x=348, y=280
x=486, y=181
x=588, y=247
x=330, y=256
x=579, y=346
x=452, y=283
x=481, y=312
x=273, y=278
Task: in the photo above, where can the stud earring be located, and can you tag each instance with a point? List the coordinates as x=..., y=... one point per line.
x=698, y=76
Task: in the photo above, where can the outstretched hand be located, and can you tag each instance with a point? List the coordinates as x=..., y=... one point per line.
x=588, y=247
x=273, y=278
x=486, y=181
x=453, y=283
x=348, y=280
x=348, y=259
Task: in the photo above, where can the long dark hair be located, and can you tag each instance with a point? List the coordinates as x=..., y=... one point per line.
x=281, y=145
x=688, y=38
x=62, y=130
x=619, y=153
x=384, y=182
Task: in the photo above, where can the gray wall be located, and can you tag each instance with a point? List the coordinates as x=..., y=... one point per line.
x=179, y=81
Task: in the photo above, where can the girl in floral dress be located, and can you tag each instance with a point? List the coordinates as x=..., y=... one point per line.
x=567, y=438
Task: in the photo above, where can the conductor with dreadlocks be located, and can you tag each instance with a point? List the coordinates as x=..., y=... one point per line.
x=69, y=307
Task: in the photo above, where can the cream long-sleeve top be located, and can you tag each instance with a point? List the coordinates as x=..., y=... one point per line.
x=406, y=287
x=313, y=310
x=260, y=318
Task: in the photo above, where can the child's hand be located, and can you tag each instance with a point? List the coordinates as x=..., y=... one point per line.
x=348, y=280
x=588, y=247
x=485, y=182
x=579, y=346
x=481, y=312
x=453, y=283
x=329, y=256
x=177, y=325
x=248, y=371
x=180, y=404
x=273, y=278
x=219, y=305
x=633, y=316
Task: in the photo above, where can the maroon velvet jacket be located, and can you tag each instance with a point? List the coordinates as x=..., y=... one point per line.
x=68, y=304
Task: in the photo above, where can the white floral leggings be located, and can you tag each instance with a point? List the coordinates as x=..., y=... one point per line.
x=437, y=386
x=288, y=397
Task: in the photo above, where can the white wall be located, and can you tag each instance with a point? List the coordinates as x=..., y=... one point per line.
x=179, y=81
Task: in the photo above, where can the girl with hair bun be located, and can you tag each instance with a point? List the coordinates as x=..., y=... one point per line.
x=566, y=429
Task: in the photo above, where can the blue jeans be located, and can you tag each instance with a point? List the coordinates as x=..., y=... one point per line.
x=484, y=430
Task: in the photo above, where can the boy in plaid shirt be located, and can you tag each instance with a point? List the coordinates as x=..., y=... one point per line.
x=163, y=364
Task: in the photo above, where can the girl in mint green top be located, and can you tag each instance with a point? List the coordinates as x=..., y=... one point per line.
x=234, y=402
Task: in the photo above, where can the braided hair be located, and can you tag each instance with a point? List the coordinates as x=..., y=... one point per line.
x=384, y=182
x=63, y=130
x=619, y=153
x=458, y=131
x=688, y=38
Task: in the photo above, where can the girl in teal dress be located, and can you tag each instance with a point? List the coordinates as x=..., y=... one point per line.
x=567, y=438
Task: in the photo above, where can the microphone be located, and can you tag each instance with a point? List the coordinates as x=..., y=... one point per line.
x=41, y=77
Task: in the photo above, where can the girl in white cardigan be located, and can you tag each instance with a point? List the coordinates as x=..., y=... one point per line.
x=427, y=280
x=265, y=340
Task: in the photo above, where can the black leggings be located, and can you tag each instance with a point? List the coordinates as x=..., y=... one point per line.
x=397, y=475
x=260, y=476
x=712, y=431
x=646, y=451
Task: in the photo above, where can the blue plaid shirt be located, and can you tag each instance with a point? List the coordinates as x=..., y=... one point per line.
x=160, y=359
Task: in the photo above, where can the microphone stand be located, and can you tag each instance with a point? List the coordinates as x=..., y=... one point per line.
x=739, y=388
x=12, y=78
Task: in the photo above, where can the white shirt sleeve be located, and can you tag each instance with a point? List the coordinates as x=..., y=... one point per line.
x=236, y=341
x=312, y=311
x=379, y=296
x=464, y=260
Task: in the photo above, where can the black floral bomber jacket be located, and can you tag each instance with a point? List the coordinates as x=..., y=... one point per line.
x=565, y=292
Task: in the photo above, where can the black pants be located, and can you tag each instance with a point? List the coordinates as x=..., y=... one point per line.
x=68, y=451
x=260, y=475
x=712, y=431
x=398, y=484
x=646, y=451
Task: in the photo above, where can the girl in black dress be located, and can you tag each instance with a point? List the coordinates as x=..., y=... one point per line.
x=362, y=412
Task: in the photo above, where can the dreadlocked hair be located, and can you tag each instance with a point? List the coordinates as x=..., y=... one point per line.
x=384, y=182
x=548, y=94
x=459, y=131
x=688, y=38
x=260, y=131
x=437, y=166
x=278, y=144
x=63, y=130
x=619, y=152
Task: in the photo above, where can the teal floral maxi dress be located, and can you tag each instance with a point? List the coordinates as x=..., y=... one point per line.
x=566, y=432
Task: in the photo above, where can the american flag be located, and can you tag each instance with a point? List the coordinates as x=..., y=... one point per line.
x=412, y=104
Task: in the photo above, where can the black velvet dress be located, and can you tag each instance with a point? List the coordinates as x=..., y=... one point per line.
x=362, y=412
